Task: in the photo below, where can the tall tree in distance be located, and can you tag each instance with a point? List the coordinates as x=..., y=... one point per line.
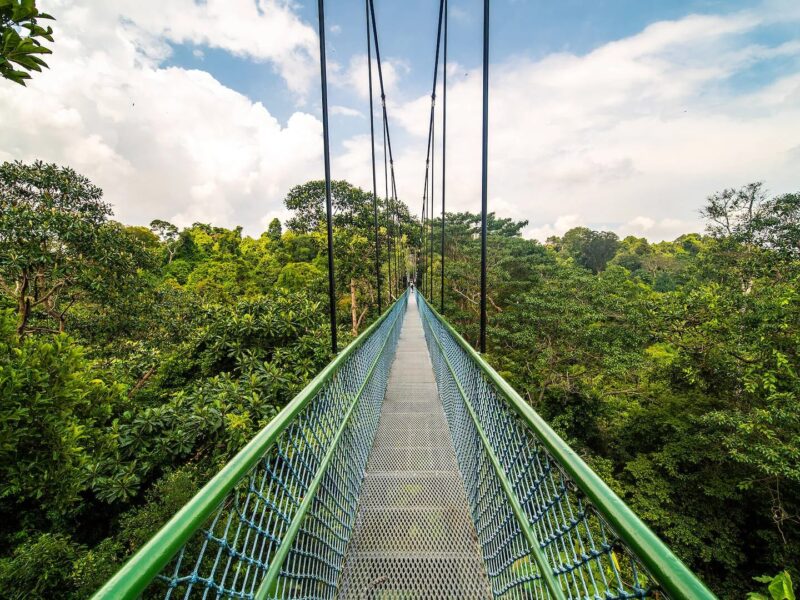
x=275, y=231
x=168, y=234
x=57, y=245
x=352, y=206
x=590, y=249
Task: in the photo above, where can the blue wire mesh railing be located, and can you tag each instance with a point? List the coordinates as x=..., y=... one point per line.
x=277, y=520
x=281, y=527
x=541, y=535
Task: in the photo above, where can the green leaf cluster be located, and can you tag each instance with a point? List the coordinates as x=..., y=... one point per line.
x=673, y=365
x=20, y=54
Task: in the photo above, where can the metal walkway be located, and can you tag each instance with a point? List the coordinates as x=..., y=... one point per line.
x=408, y=468
x=414, y=537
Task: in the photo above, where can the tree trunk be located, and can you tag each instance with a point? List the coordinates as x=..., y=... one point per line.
x=353, y=306
x=23, y=307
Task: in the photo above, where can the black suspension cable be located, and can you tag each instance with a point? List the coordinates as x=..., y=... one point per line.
x=425, y=254
x=398, y=235
x=374, y=180
x=327, y=159
x=433, y=188
x=484, y=169
x=444, y=153
x=426, y=216
x=385, y=116
x=393, y=223
x=429, y=268
x=388, y=224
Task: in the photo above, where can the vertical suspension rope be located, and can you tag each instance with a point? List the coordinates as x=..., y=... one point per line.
x=433, y=173
x=428, y=274
x=444, y=154
x=398, y=233
x=422, y=247
x=374, y=180
x=388, y=215
x=388, y=144
x=327, y=159
x=393, y=217
x=425, y=237
x=484, y=169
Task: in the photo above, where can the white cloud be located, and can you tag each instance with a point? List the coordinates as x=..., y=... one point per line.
x=356, y=77
x=335, y=29
x=162, y=142
x=631, y=136
x=662, y=229
x=265, y=30
x=643, y=127
x=557, y=228
x=346, y=111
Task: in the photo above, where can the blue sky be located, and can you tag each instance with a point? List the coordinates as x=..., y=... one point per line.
x=518, y=28
x=621, y=114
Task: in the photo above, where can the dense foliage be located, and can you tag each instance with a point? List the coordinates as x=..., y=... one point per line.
x=135, y=361
x=671, y=367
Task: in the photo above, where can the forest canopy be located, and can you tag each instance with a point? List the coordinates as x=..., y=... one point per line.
x=135, y=361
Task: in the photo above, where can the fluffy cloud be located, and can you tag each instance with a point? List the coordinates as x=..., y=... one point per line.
x=648, y=125
x=263, y=30
x=356, y=76
x=557, y=228
x=346, y=111
x=164, y=142
x=631, y=136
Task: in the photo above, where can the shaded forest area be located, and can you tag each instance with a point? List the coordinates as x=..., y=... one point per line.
x=135, y=361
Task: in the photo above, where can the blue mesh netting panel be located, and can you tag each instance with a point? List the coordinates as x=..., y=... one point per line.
x=585, y=556
x=230, y=556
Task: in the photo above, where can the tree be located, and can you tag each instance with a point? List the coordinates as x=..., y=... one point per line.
x=590, y=249
x=274, y=231
x=168, y=234
x=747, y=216
x=779, y=587
x=57, y=245
x=351, y=206
x=16, y=50
x=49, y=404
x=731, y=213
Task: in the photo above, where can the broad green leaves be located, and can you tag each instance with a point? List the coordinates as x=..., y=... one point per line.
x=57, y=246
x=20, y=39
x=779, y=587
x=672, y=364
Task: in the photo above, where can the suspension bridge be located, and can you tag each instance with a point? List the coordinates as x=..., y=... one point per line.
x=408, y=468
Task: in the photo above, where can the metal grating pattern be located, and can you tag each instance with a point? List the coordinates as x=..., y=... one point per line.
x=414, y=537
x=303, y=492
x=494, y=446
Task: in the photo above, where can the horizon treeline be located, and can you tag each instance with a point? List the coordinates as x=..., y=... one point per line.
x=135, y=361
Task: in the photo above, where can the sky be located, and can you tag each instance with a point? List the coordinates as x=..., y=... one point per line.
x=612, y=114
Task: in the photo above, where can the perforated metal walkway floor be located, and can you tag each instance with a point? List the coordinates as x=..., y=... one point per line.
x=414, y=537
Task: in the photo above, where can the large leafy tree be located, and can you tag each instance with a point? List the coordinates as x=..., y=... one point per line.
x=590, y=249
x=20, y=54
x=354, y=243
x=352, y=206
x=57, y=246
x=748, y=216
x=169, y=235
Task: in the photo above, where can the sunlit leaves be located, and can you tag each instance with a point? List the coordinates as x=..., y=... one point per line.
x=21, y=38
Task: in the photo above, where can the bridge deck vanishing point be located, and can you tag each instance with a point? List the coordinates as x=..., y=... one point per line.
x=414, y=537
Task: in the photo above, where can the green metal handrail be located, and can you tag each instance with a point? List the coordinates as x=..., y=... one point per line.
x=670, y=573
x=150, y=560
